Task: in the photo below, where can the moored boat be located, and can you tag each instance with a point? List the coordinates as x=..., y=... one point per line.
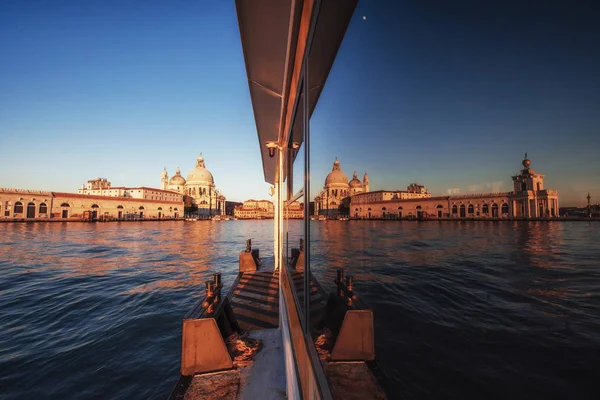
x=277, y=333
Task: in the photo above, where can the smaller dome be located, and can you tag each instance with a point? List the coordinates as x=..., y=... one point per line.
x=355, y=183
x=177, y=179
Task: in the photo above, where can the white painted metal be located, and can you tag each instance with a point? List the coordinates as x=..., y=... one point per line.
x=292, y=386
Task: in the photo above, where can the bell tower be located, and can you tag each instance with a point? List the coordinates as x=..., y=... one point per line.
x=164, y=179
x=366, y=183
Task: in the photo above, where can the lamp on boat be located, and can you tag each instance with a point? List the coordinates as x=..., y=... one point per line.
x=295, y=147
x=271, y=146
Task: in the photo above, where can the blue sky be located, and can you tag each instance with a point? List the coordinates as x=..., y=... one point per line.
x=448, y=95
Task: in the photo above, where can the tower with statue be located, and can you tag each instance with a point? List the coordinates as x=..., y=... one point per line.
x=529, y=198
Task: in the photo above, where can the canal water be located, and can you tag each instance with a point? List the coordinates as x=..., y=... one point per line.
x=462, y=309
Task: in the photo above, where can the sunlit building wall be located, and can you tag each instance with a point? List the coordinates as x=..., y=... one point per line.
x=101, y=187
x=35, y=204
x=529, y=199
x=263, y=209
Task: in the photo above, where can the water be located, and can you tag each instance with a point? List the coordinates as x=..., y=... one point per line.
x=462, y=309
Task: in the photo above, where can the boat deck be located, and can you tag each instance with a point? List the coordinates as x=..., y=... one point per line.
x=257, y=351
x=255, y=301
x=264, y=378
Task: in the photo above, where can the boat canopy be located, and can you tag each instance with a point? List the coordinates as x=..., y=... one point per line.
x=276, y=37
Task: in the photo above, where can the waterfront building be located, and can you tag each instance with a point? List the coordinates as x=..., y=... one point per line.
x=337, y=189
x=529, y=199
x=295, y=210
x=45, y=205
x=102, y=187
x=199, y=186
x=264, y=209
x=335, y=197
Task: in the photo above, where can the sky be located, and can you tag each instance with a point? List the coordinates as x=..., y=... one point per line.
x=447, y=94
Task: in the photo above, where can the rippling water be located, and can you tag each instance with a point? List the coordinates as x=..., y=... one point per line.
x=462, y=309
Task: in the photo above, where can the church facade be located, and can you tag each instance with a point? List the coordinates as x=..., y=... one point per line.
x=199, y=186
x=337, y=190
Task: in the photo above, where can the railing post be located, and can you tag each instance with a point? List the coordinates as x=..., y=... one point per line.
x=210, y=285
x=340, y=279
x=217, y=280
x=349, y=282
x=349, y=285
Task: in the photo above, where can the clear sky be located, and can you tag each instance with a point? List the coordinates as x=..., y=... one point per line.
x=445, y=94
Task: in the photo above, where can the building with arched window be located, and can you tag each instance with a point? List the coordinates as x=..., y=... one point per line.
x=23, y=204
x=337, y=190
x=199, y=186
x=529, y=199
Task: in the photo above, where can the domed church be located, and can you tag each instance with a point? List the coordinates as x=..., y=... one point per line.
x=199, y=186
x=337, y=188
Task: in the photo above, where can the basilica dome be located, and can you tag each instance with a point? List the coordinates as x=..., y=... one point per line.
x=336, y=175
x=355, y=183
x=200, y=175
x=177, y=179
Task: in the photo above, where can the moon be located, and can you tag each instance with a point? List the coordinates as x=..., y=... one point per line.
x=364, y=17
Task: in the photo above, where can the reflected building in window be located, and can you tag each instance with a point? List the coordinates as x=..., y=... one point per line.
x=333, y=199
x=264, y=209
x=529, y=199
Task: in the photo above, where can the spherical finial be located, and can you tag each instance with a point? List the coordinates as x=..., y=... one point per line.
x=526, y=162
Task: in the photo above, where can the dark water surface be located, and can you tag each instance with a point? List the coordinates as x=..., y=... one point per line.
x=462, y=309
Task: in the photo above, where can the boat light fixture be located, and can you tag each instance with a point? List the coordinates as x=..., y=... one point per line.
x=271, y=146
x=295, y=147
